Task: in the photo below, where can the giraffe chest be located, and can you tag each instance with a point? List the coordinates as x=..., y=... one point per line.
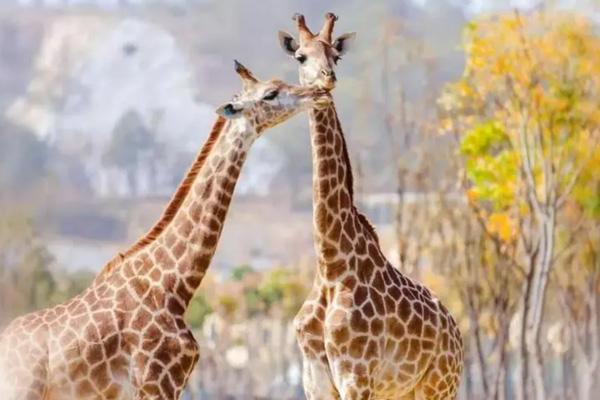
x=105, y=348
x=88, y=360
x=378, y=328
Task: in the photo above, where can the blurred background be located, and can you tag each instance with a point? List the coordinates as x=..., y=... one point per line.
x=473, y=132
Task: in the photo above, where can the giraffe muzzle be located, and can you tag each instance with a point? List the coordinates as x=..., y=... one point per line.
x=327, y=81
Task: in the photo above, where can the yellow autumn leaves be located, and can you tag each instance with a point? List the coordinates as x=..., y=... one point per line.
x=527, y=114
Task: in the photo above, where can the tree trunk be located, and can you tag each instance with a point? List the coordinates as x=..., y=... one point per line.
x=531, y=362
x=498, y=391
x=478, y=356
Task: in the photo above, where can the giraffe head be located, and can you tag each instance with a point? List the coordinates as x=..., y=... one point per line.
x=265, y=104
x=317, y=53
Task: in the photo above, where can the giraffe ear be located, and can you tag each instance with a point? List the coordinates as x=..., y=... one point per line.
x=229, y=111
x=344, y=43
x=287, y=43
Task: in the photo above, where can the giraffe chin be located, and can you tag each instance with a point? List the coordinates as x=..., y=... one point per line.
x=327, y=84
x=323, y=102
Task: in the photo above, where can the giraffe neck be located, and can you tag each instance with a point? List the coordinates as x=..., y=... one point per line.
x=336, y=220
x=180, y=247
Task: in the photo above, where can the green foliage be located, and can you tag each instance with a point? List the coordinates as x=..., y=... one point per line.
x=254, y=303
x=283, y=288
x=526, y=112
x=228, y=304
x=279, y=288
x=28, y=279
x=587, y=195
x=26, y=283
x=491, y=164
x=488, y=137
x=272, y=288
x=43, y=285
x=238, y=273
x=587, y=191
x=69, y=285
x=197, y=311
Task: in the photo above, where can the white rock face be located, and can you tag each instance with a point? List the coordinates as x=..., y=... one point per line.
x=98, y=68
x=263, y=163
x=68, y=40
x=93, y=69
x=139, y=66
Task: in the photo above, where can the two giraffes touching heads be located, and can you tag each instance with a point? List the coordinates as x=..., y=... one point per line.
x=365, y=331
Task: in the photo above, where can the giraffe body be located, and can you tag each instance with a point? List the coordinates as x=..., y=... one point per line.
x=366, y=331
x=101, y=345
x=125, y=336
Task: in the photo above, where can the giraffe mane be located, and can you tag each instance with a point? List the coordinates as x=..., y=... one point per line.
x=176, y=201
x=350, y=183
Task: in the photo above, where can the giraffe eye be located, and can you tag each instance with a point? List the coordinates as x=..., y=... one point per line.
x=271, y=95
x=301, y=58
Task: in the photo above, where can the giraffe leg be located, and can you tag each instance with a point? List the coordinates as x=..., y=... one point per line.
x=356, y=393
x=163, y=372
x=442, y=379
x=316, y=374
x=354, y=386
x=317, y=381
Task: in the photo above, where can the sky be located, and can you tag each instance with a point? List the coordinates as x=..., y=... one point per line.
x=470, y=7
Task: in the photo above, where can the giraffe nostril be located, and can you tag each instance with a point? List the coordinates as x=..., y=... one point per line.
x=325, y=73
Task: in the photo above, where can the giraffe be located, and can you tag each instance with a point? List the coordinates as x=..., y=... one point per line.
x=125, y=337
x=366, y=331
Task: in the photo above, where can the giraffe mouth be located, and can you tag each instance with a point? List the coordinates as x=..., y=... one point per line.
x=327, y=84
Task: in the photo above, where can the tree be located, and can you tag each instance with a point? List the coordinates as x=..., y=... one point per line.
x=576, y=282
x=24, y=159
x=197, y=311
x=282, y=288
x=525, y=112
x=26, y=283
x=130, y=139
x=238, y=273
x=405, y=123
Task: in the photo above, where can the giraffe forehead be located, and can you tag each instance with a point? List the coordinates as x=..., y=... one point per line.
x=258, y=90
x=317, y=49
